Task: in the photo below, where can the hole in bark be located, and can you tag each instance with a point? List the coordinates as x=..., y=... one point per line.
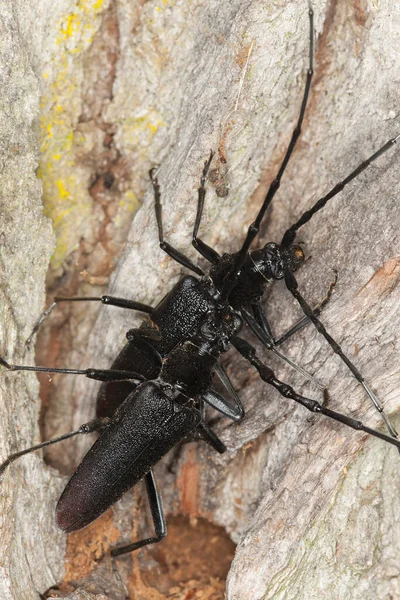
x=192, y=560
x=191, y=563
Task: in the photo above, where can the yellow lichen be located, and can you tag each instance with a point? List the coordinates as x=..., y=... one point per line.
x=69, y=27
x=129, y=201
x=139, y=131
x=65, y=192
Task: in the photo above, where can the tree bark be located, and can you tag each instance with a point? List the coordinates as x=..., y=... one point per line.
x=126, y=85
x=31, y=548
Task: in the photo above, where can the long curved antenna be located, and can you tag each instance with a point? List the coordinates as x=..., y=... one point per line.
x=267, y=375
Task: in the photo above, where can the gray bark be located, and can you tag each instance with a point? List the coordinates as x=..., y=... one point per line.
x=31, y=547
x=312, y=505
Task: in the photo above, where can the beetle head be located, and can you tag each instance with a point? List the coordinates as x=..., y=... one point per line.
x=272, y=260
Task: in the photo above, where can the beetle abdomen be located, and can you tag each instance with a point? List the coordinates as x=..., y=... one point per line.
x=144, y=428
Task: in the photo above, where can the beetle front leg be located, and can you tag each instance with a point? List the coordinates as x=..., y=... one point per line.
x=291, y=284
x=204, y=249
x=267, y=375
x=263, y=322
x=316, y=310
x=175, y=254
x=108, y=300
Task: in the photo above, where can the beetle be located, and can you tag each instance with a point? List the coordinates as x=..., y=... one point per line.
x=226, y=274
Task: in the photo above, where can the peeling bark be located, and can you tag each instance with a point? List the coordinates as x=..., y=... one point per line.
x=313, y=506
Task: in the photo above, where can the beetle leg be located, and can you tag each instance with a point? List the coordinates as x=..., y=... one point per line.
x=220, y=404
x=207, y=434
x=316, y=310
x=157, y=515
x=178, y=256
x=263, y=322
x=292, y=286
x=160, y=527
x=265, y=340
x=98, y=374
x=89, y=427
x=204, y=249
x=234, y=412
x=109, y=300
x=220, y=371
x=194, y=436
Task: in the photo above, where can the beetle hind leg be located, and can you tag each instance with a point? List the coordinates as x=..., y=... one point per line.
x=158, y=516
x=160, y=528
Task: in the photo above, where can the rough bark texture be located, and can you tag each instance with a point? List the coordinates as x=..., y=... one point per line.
x=313, y=506
x=31, y=548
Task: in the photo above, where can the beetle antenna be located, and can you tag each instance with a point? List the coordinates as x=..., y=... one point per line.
x=290, y=234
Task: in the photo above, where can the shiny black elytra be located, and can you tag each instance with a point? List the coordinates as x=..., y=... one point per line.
x=155, y=393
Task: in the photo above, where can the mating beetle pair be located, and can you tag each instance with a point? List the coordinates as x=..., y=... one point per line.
x=176, y=395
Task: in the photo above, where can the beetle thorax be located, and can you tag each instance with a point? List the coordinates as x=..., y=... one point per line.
x=189, y=371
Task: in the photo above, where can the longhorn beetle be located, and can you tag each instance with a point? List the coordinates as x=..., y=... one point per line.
x=140, y=422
